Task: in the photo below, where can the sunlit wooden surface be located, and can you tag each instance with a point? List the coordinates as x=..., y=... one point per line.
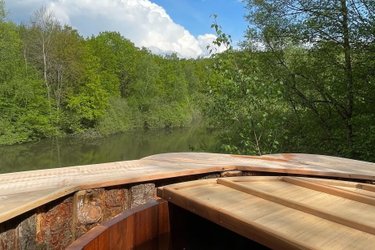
x=284, y=212
x=23, y=191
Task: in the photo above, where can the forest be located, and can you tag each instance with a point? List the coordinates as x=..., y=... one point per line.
x=302, y=80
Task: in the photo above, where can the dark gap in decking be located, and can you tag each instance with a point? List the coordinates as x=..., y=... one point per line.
x=190, y=231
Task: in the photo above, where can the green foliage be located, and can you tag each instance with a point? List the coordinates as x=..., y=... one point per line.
x=309, y=78
x=222, y=38
x=92, y=98
x=54, y=82
x=303, y=81
x=22, y=102
x=118, y=117
x=247, y=105
x=117, y=58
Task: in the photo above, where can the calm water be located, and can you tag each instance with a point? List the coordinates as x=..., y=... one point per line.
x=56, y=153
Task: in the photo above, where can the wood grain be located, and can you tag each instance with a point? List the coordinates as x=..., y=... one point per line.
x=280, y=214
x=352, y=195
x=129, y=229
x=313, y=209
x=24, y=191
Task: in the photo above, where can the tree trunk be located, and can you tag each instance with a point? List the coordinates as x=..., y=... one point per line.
x=349, y=76
x=45, y=72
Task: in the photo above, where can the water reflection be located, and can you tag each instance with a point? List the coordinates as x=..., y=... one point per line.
x=55, y=153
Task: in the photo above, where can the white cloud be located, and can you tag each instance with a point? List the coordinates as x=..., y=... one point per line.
x=205, y=41
x=143, y=22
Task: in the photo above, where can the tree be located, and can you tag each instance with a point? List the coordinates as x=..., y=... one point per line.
x=39, y=44
x=24, y=108
x=67, y=64
x=117, y=57
x=90, y=100
x=245, y=105
x=335, y=32
x=64, y=60
x=2, y=11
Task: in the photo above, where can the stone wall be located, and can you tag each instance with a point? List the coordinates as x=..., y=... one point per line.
x=58, y=223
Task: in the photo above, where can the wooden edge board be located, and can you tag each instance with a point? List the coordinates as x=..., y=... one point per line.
x=298, y=206
x=331, y=190
x=98, y=230
x=367, y=187
x=341, y=183
x=196, y=163
x=194, y=183
x=63, y=191
x=331, y=182
x=253, y=231
x=310, y=171
x=254, y=178
x=25, y=207
x=150, y=177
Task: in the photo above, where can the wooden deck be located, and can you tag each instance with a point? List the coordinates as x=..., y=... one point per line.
x=24, y=191
x=284, y=212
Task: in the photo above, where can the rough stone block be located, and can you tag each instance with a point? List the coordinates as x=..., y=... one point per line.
x=8, y=239
x=211, y=176
x=26, y=233
x=19, y=232
x=89, y=206
x=95, y=206
x=231, y=173
x=54, y=224
x=116, y=201
x=141, y=194
x=250, y=173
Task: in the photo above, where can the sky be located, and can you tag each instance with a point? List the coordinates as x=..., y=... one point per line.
x=162, y=26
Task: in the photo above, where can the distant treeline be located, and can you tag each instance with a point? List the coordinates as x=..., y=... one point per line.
x=54, y=82
x=303, y=80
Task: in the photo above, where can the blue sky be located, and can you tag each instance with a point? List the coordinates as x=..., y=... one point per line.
x=194, y=15
x=163, y=26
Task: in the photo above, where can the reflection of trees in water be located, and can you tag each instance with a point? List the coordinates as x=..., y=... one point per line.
x=127, y=146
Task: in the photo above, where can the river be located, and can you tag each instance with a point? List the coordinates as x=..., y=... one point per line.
x=54, y=153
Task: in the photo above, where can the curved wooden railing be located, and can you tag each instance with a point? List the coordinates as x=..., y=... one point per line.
x=129, y=229
x=23, y=191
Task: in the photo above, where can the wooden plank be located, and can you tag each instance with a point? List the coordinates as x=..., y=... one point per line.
x=358, y=190
x=241, y=179
x=163, y=218
x=270, y=223
x=349, y=185
x=47, y=185
x=121, y=231
x=366, y=187
x=353, y=223
x=129, y=229
x=15, y=204
x=331, y=190
x=252, y=231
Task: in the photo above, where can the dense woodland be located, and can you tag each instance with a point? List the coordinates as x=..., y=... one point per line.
x=303, y=80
